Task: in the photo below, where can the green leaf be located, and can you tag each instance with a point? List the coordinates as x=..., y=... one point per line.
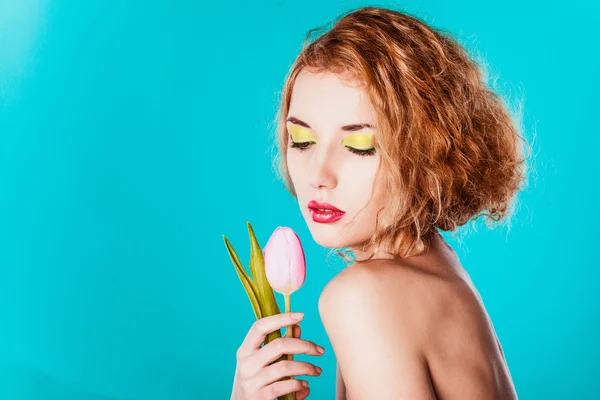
x=259, y=291
x=265, y=294
x=247, y=282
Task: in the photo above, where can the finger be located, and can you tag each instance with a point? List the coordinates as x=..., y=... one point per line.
x=296, y=332
x=285, y=368
x=280, y=388
x=261, y=328
x=273, y=350
x=302, y=394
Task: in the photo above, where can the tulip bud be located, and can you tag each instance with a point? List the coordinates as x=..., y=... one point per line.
x=257, y=286
x=285, y=264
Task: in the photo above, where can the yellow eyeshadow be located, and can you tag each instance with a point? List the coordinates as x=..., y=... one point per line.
x=300, y=135
x=359, y=141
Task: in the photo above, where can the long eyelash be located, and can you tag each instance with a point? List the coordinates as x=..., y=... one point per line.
x=304, y=145
x=369, y=152
x=300, y=145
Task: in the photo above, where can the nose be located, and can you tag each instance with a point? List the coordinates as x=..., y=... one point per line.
x=321, y=171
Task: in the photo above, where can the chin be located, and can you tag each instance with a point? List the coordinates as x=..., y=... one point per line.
x=330, y=244
x=326, y=235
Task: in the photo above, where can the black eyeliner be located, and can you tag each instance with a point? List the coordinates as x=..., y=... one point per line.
x=304, y=145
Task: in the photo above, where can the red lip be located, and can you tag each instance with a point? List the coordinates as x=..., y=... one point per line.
x=323, y=206
x=330, y=213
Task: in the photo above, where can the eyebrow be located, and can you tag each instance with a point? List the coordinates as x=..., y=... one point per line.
x=349, y=128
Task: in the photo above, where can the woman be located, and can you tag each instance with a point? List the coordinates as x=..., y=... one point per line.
x=388, y=133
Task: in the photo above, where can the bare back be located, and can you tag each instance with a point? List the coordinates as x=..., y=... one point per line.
x=463, y=358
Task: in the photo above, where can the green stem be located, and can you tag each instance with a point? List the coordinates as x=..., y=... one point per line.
x=288, y=332
x=290, y=329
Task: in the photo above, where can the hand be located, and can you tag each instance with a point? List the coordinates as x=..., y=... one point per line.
x=255, y=379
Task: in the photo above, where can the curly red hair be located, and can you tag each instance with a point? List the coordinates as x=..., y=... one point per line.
x=449, y=147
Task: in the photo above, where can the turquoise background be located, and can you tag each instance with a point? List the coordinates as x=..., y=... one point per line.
x=133, y=134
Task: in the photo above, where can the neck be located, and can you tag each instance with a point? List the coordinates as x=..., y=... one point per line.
x=436, y=244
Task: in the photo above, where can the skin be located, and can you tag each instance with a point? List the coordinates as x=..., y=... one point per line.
x=327, y=170
x=413, y=328
x=256, y=378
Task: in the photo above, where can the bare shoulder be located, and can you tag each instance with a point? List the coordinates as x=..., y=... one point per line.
x=369, y=317
x=432, y=328
x=398, y=290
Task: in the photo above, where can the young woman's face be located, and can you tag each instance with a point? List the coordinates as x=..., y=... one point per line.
x=331, y=157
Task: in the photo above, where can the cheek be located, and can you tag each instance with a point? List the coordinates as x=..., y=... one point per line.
x=360, y=185
x=361, y=174
x=294, y=166
x=381, y=197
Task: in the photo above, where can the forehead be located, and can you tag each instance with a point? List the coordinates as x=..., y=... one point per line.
x=324, y=99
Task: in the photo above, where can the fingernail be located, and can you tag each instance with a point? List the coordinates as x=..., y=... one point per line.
x=297, y=316
x=319, y=369
x=304, y=383
x=320, y=350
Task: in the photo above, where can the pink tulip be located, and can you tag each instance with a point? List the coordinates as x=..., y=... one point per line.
x=285, y=265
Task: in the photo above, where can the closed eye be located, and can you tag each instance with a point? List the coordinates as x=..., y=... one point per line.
x=301, y=146
x=368, y=152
